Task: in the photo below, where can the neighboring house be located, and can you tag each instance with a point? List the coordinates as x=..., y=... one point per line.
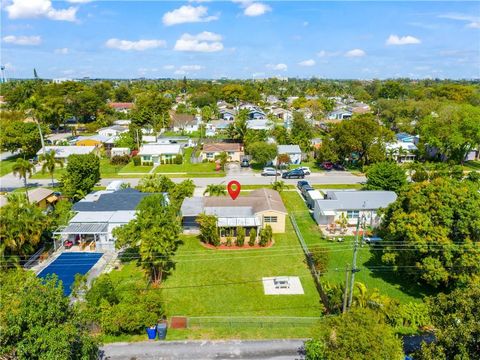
x=119, y=151
x=63, y=152
x=98, y=214
x=215, y=126
x=272, y=99
x=293, y=151
x=112, y=131
x=233, y=150
x=185, y=122
x=407, y=138
x=339, y=115
x=123, y=107
x=285, y=115
x=256, y=114
x=42, y=197
x=255, y=210
x=185, y=141
x=157, y=154
x=401, y=151
x=96, y=140
x=316, y=143
x=359, y=108
x=352, y=205
x=260, y=124
x=123, y=122
x=227, y=114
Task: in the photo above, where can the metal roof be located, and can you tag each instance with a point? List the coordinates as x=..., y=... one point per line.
x=289, y=149
x=239, y=221
x=356, y=200
x=83, y=228
x=123, y=199
x=229, y=211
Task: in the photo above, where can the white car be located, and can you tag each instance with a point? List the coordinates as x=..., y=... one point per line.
x=306, y=170
x=270, y=171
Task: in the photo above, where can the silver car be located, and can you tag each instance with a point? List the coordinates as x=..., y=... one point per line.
x=270, y=171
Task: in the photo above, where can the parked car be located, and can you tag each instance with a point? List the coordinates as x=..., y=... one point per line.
x=306, y=170
x=306, y=189
x=302, y=183
x=294, y=174
x=372, y=240
x=245, y=163
x=270, y=171
x=327, y=165
x=339, y=167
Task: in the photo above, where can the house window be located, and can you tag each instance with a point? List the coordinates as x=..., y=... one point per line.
x=270, y=219
x=146, y=157
x=231, y=153
x=209, y=155
x=353, y=214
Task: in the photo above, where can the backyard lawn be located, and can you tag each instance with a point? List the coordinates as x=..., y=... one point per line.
x=386, y=281
x=207, y=168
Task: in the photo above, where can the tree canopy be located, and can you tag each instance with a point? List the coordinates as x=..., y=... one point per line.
x=82, y=173
x=385, y=176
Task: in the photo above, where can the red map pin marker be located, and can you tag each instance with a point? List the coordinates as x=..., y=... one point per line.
x=233, y=188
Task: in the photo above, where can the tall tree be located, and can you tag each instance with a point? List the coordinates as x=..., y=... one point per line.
x=154, y=234
x=302, y=131
x=262, y=152
x=432, y=232
x=82, y=173
x=386, y=176
x=50, y=163
x=23, y=168
x=215, y=190
x=38, y=322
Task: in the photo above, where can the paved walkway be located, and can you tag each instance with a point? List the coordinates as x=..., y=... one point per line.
x=234, y=349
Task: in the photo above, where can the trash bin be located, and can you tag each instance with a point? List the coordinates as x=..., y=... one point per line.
x=151, y=332
x=162, y=331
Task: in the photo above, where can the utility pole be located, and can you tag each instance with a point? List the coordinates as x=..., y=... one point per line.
x=354, y=262
x=345, y=291
x=138, y=141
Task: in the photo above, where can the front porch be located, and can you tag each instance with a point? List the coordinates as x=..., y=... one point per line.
x=227, y=227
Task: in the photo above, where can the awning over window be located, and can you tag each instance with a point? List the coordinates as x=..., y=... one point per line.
x=83, y=228
x=239, y=221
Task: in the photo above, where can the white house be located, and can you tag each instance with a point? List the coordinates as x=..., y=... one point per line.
x=293, y=151
x=111, y=131
x=63, y=152
x=97, y=215
x=401, y=152
x=157, y=153
x=119, y=151
x=259, y=124
x=185, y=122
x=352, y=205
x=339, y=115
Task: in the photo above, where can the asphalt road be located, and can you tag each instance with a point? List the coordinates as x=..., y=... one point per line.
x=235, y=349
x=10, y=182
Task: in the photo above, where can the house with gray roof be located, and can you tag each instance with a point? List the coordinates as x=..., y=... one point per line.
x=98, y=214
x=255, y=210
x=293, y=151
x=352, y=205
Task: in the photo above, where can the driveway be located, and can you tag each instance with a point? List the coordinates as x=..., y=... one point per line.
x=234, y=169
x=234, y=349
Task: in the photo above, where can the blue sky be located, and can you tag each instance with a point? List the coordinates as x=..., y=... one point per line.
x=240, y=39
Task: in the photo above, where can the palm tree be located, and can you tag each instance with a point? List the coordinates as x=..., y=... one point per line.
x=222, y=158
x=50, y=162
x=215, y=190
x=391, y=153
x=402, y=153
x=23, y=168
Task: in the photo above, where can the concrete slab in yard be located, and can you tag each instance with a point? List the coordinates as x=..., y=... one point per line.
x=282, y=285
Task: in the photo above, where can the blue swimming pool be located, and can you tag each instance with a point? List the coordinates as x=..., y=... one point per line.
x=68, y=264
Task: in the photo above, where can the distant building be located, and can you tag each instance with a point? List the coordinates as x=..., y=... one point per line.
x=293, y=151
x=339, y=115
x=123, y=107
x=233, y=150
x=63, y=152
x=111, y=131
x=185, y=122
x=157, y=154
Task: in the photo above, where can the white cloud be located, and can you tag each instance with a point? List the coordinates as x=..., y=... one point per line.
x=180, y=72
x=169, y=67
x=140, y=45
x=402, y=40
x=191, y=67
x=202, y=42
x=278, y=67
x=309, y=62
x=251, y=8
x=473, y=21
x=355, y=53
x=187, y=14
x=22, y=40
x=26, y=9
x=323, y=53
x=62, y=51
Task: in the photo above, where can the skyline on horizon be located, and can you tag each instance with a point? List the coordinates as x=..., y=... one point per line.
x=240, y=39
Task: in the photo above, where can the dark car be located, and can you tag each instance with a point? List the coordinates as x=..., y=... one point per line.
x=339, y=167
x=302, y=183
x=327, y=165
x=245, y=163
x=306, y=189
x=294, y=174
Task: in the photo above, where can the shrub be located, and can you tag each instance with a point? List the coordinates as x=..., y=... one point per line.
x=320, y=257
x=120, y=160
x=229, y=241
x=136, y=160
x=253, y=237
x=208, y=229
x=240, y=236
x=179, y=159
x=278, y=185
x=265, y=235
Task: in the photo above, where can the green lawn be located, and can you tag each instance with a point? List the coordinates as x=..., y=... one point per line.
x=472, y=165
x=207, y=168
x=130, y=168
x=387, y=282
x=6, y=165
